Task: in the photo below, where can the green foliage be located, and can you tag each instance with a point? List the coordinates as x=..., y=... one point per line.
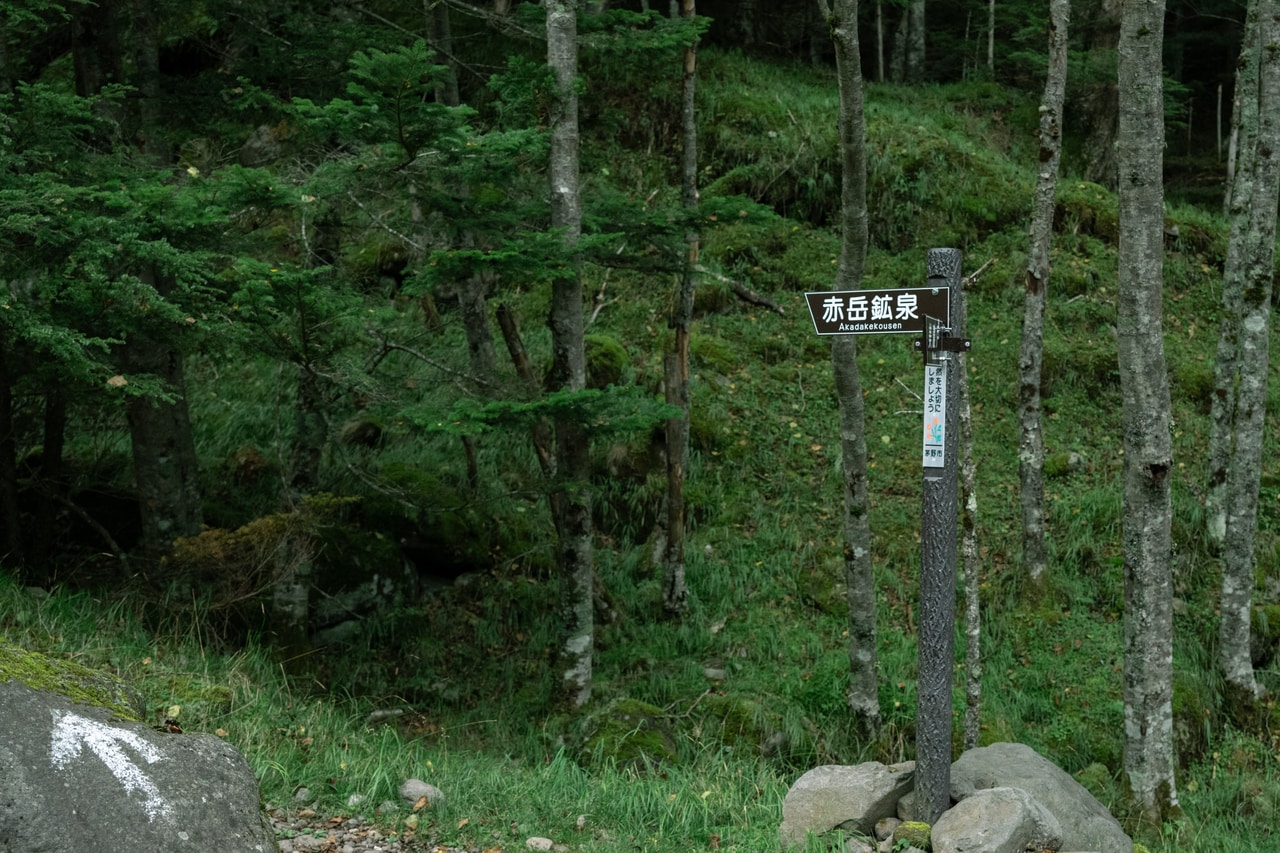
x=522, y=93
x=613, y=410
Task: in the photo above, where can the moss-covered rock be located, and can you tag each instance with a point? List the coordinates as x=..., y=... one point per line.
x=913, y=832
x=70, y=679
x=744, y=726
x=822, y=587
x=607, y=361
x=629, y=731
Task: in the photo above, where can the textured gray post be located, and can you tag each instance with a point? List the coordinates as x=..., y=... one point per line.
x=938, y=587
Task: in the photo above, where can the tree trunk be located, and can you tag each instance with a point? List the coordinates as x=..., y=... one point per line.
x=568, y=363
x=473, y=291
x=1250, y=268
x=1030, y=362
x=1099, y=104
x=864, y=700
x=1233, y=142
x=675, y=592
x=543, y=440
x=165, y=467
x=6, y=78
x=440, y=35
x=914, y=69
x=95, y=47
x=745, y=23
x=898, y=54
x=1226, y=366
x=310, y=432
x=291, y=597
x=880, y=41
x=1147, y=416
x=991, y=37
x=13, y=541
x=50, y=486
x=146, y=62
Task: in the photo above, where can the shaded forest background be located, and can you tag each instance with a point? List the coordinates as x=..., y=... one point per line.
x=246, y=392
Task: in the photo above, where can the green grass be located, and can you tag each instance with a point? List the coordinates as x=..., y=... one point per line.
x=472, y=666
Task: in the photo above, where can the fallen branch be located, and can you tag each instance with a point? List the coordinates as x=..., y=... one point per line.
x=744, y=293
x=972, y=278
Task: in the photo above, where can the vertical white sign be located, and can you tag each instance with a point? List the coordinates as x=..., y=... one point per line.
x=935, y=415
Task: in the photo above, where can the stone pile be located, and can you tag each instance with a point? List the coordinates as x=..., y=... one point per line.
x=1006, y=799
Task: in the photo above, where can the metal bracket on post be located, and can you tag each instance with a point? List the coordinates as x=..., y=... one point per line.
x=936, y=344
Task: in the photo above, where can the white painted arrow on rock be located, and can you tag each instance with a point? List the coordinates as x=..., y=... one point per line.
x=71, y=732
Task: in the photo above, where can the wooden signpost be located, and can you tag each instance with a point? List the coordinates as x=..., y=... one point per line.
x=925, y=312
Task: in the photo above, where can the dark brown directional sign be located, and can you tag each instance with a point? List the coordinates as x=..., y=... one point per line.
x=876, y=312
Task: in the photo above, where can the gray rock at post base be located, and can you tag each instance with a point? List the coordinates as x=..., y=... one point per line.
x=843, y=797
x=907, y=806
x=79, y=779
x=997, y=820
x=1086, y=823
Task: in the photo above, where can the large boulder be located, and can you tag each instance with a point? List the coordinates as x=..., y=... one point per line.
x=843, y=797
x=83, y=773
x=997, y=820
x=1086, y=823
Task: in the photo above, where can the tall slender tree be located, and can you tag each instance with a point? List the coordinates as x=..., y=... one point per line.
x=675, y=591
x=1222, y=406
x=1031, y=359
x=1147, y=417
x=1243, y=347
x=864, y=701
x=568, y=362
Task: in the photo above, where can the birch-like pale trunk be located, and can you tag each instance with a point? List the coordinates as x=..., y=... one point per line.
x=1250, y=265
x=1226, y=365
x=864, y=699
x=675, y=591
x=1031, y=359
x=568, y=363
x=1147, y=418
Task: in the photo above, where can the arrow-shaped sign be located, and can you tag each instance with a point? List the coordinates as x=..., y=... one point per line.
x=71, y=732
